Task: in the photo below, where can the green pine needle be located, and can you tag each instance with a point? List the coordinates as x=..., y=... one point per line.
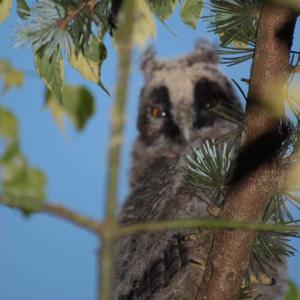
x=234, y=20
x=210, y=167
x=231, y=55
x=49, y=27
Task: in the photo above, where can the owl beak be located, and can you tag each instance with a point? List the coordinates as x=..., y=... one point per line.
x=186, y=134
x=184, y=125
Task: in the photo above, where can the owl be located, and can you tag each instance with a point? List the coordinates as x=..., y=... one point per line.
x=181, y=107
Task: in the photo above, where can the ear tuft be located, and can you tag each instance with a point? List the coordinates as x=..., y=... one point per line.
x=148, y=61
x=204, y=52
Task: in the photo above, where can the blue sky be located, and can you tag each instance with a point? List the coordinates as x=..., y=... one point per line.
x=44, y=258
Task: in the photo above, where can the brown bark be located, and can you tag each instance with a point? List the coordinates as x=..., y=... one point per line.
x=250, y=190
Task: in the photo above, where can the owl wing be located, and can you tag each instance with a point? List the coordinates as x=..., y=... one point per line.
x=161, y=265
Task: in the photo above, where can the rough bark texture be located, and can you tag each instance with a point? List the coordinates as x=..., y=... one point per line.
x=249, y=192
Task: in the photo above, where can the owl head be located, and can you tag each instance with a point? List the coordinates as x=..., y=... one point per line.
x=183, y=102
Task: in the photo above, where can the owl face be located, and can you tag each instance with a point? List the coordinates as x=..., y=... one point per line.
x=183, y=102
x=183, y=99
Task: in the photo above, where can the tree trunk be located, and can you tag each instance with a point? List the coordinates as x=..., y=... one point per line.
x=250, y=190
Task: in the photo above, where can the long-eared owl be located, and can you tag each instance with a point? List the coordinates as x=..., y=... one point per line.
x=181, y=107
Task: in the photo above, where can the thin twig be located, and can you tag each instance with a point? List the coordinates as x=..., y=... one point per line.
x=34, y=205
x=72, y=14
x=98, y=227
x=205, y=223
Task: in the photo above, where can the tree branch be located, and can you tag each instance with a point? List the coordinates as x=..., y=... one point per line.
x=124, y=39
x=248, y=197
x=33, y=205
x=37, y=206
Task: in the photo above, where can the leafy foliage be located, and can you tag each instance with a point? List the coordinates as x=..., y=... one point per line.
x=191, y=12
x=144, y=25
x=163, y=9
x=18, y=178
x=55, y=28
x=74, y=29
x=292, y=293
x=11, y=77
x=5, y=7
x=88, y=63
x=21, y=180
x=23, y=9
x=51, y=70
x=78, y=106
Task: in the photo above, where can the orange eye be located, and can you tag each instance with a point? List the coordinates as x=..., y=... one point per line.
x=157, y=112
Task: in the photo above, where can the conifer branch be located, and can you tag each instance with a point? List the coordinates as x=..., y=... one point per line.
x=74, y=12
x=251, y=190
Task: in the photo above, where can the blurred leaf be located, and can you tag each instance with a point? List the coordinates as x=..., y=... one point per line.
x=88, y=64
x=78, y=106
x=8, y=125
x=18, y=179
x=163, y=9
x=21, y=180
x=51, y=70
x=10, y=76
x=5, y=7
x=23, y=9
x=292, y=293
x=9, y=153
x=191, y=12
x=144, y=25
x=56, y=109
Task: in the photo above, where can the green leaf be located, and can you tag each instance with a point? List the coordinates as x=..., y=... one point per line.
x=5, y=7
x=88, y=63
x=8, y=126
x=28, y=205
x=23, y=9
x=163, y=9
x=144, y=25
x=10, y=76
x=21, y=180
x=9, y=153
x=95, y=51
x=191, y=12
x=51, y=70
x=18, y=179
x=292, y=293
x=78, y=106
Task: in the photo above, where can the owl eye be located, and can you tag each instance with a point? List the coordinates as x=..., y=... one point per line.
x=212, y=102
x=157, y=112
